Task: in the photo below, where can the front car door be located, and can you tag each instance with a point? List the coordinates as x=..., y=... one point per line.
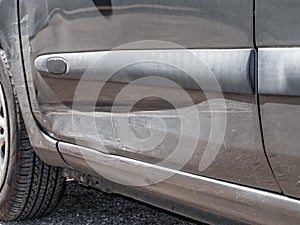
x=165, y=82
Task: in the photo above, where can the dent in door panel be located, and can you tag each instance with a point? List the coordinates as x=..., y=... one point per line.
x=240, y=159
x=82, y=27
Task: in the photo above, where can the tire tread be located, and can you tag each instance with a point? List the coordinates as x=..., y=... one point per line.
x=38, y=187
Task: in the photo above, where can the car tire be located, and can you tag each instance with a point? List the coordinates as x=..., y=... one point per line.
x=28, y=187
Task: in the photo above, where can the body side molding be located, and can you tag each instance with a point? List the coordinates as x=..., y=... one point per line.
x=279, y=71
x=232, y=67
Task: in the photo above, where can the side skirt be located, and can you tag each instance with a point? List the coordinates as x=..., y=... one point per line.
x=200, y=198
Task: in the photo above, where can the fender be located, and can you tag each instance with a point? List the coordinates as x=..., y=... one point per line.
x=44, y=146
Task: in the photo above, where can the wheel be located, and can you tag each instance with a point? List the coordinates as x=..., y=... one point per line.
x=28, y=187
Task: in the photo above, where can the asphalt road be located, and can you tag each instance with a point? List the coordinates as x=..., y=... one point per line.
x=81, y=205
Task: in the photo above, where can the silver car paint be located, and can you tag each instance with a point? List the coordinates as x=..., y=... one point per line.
x=58, y=27
x=46, y=146
x=279, y=85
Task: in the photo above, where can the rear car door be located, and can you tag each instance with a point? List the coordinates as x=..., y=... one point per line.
x=165, y=82
x=278, y=35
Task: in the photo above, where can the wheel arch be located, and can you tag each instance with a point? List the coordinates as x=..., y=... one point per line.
x=10, y=43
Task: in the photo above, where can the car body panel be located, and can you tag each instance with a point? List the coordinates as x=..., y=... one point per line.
x=205, y=197
x=191, y=195
x=241, y=148
x=89, y=25
x=278, y=41
x=57, y=28
x=277, y=23
x=279, y=82
x=10, y=42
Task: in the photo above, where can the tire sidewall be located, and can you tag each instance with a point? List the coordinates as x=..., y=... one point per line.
x=7, y=190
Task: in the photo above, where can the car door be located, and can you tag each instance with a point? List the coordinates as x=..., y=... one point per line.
x=165, y=82
x=278, y=35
